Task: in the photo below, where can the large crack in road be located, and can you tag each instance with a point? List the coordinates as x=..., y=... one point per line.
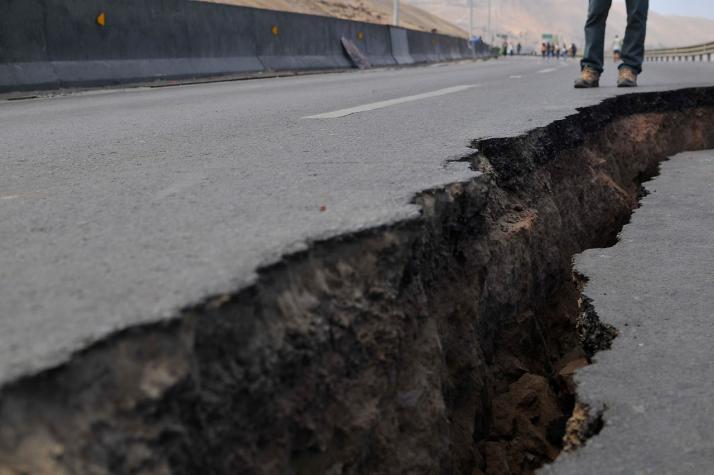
x=443, y=344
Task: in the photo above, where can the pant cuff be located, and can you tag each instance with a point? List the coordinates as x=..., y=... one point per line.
x=584, y=64
x=637, y=69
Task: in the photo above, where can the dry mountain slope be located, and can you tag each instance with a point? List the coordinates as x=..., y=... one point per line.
x=526, y=20
x=372, y=11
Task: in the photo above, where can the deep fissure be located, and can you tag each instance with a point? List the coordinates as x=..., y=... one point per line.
x=443, y=344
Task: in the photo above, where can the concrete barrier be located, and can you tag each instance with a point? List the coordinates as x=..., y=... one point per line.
x=400, y=45
x=481, y=50
x=290, y=41
x=423, y=47
x=23, y=45
x=148, y=38
x=57, y=43
x=450, y=47
x=431, y=47
x=221, y=39
x=373, y=40
x=140, y=40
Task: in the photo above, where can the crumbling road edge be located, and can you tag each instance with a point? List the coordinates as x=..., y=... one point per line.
x=439, y=344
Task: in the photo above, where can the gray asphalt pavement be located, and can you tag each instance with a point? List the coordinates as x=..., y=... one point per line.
x=655, y=286
x=121, y=207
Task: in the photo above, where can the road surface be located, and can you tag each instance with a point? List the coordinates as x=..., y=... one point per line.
x=122, y=207
x=655, y=286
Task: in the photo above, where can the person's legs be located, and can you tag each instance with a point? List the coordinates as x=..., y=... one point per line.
x=595, y=34
x=633, y=48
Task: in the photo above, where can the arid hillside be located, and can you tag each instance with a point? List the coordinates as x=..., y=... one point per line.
x=373, y=11
x=527, y=20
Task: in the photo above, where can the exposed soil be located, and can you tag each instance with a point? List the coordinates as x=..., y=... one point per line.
x=444, y=344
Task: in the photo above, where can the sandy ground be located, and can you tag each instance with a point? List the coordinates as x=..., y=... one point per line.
x=373, y=11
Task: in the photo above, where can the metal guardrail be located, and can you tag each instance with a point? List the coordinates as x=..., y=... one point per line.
x=690, y=53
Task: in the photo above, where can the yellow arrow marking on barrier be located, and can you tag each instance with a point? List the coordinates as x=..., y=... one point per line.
x=102, y=19
x=275, y=30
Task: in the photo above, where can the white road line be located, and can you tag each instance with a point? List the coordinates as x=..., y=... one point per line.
x=547, y=70
x=391, y=102
x=516, y=76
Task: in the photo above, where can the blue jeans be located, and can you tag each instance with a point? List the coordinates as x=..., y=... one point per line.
x=633, y=48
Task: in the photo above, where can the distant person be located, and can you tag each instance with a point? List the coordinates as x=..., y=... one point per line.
x=556, y=50
x=543, y=49
x=617, y=48
x=574, y=50
x=518, y=49
x=504, y=48
x=510, y=49
x=632, y=49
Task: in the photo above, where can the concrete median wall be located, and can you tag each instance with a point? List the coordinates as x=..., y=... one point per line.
x=56, y=43
x=297, y=42
x=431, y=47
x=400, y=45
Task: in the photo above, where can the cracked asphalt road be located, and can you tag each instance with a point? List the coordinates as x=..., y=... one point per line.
x=655, y=286
x=121, y=207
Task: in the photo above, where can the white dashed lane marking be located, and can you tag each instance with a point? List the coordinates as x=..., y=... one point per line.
x=391, y=102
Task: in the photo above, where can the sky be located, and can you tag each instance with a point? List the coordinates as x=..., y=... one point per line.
x=698, y=8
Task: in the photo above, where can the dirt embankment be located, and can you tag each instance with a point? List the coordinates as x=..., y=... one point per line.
x=370, y=11
x=444, y=344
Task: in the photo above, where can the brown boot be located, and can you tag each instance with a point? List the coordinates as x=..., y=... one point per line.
x=589, y=78
x=627, y=77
